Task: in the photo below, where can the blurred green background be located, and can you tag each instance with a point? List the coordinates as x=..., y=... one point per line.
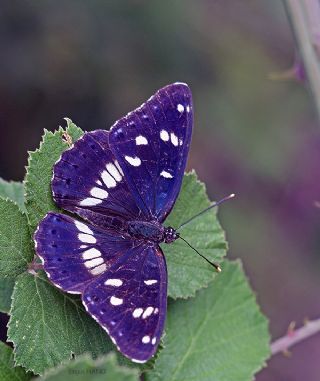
x=94, y=61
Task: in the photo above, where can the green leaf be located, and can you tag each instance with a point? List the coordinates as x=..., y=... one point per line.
x=15, y=244
x=8, y=372
x=47, y=326
x=187, y=271
x=220, y=335
x=84, y=369
x=6, y=288
x=14, y=191
x=39, y=172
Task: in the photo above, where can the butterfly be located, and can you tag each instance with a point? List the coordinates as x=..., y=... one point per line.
x=120, y=186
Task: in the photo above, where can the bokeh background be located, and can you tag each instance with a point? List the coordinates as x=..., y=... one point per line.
x=94, y=61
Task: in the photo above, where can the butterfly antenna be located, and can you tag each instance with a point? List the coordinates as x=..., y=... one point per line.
x=215, y=265
x=205, y=210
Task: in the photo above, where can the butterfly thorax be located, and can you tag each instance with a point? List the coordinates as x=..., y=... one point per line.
x=151, y=231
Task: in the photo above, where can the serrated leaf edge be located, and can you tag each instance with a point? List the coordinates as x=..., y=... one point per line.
x=16, y=362
x=192, y=173
x=8, y=198
x=14, y=366
x=30, y=237
x=46, y=134
x=266, y=322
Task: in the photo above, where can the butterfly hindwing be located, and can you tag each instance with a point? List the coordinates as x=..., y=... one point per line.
x=88, y=180
x=129, y=301
x=151, y=144
x=75, y=253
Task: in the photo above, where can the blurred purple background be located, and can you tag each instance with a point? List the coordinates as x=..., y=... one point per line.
x=95, y=61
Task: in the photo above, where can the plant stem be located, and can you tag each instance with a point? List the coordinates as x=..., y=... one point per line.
x=295, y=336
x=300, y=13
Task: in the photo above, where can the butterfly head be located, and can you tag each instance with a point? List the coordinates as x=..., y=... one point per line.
x=170, y=234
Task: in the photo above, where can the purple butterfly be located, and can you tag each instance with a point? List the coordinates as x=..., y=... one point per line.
x=123, y=183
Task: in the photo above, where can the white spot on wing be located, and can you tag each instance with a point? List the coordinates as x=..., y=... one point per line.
x=99, y=269
x=113, y=282
x=86, y=238
x=135, y=161
x=154, y=340
x=141, y=140
x=137, y=312
x=112, y=169
x=93, y=262
x=174, y=139
x=180, y=107
x=166, y=174
x=99, y=193
x=116, y=301
x=82, y=227
x=148, y=311
x=145, y=339
x=188, y=108
x=149, y=282
x=108, y=179
x=164, y=135
x=91, y=253
x=90, y=201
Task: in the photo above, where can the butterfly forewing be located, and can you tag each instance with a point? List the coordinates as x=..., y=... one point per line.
x=151, y=144
x=88, y=180
x=129, y=301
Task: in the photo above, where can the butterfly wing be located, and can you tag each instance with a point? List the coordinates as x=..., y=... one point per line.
x=129, y=301
x=151, y=145
x=75, y=253
x=123, y=282
x=88, y=180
